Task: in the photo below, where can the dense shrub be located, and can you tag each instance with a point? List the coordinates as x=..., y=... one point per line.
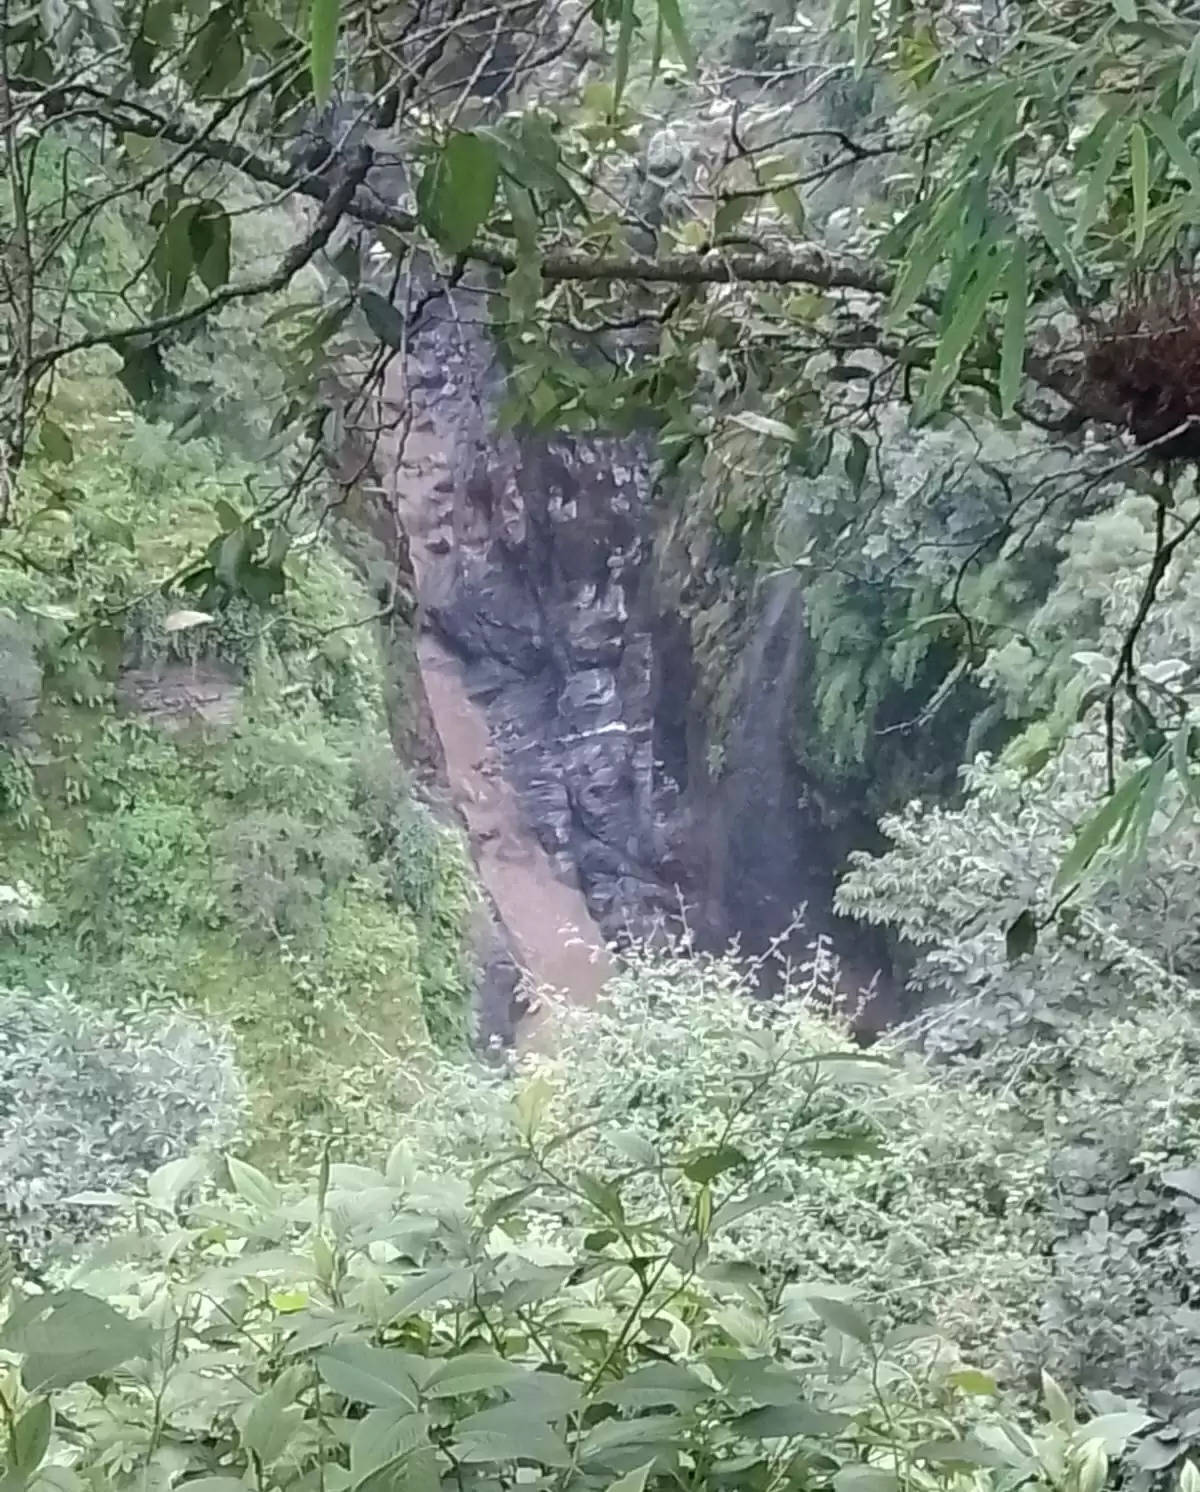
x=552, y=1326
x=91, y=1101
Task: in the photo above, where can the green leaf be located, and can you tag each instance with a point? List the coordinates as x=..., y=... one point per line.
x=965, y=1452
x=961, y=331
x=271, y=1425
x=323, y=20
x=209, y=240
x=456, y=191
x=1012, y=347
x=30, y=1438
x=857, y=455
x=633, y=1481
x=1055, y=234
x=625, y=25
x=67, y=1337
x=842, y=1316
x=762, y=424
x=473, y=1372
x=710, y=1164
x=1021, y=936
x=420, y=1291
x=1181, y=157
x=1126, y=9
x=1187, y=1181
x=864, y=34
x=781, y=1421
x=379, y=1376
x=416, y=1471
x=859, y=1478
x=509, y=1432
x=1058, y=1406
x=385, y=1435
x=655, y=1384
x=1139, y=163
x=249, y=1183
x=1114, y=1430
x=1098, y=177
x=671, y=18
x=1106, y=825
x=55, y=443
x=973, y=1381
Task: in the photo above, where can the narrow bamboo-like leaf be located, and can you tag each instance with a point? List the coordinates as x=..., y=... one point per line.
x=323, y=19
x=1139, y=165
x=1055, y=234
x=1105, y=825
x=671, y=18
x=1012, y=348
x=864, y=34
x=624, y=41
x=1099, y=176
x=1181, y=157
x=961, y=331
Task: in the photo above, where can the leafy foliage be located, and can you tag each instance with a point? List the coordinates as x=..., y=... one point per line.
x=381, y=1327
x=92, y=1101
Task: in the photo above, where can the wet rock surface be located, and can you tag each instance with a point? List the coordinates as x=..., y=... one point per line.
x=535, y=565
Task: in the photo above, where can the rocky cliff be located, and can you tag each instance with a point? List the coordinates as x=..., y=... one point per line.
x=550, y=588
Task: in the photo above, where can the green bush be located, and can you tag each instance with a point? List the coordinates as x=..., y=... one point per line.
x=551, y=1327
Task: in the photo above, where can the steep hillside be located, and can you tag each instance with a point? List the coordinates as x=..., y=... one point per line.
x=207, y=809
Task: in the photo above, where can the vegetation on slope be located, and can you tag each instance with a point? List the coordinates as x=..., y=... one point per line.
x=206, y=806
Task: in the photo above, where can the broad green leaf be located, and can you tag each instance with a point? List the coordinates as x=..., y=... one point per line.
x=1021, y=936
x=1107, y=824
x=383, y=318
x=614, y=1437
x=781, y=1421
x=167, y=1184
x=209, y=239
x=1012, y=347
x=323, y=20
x=385, y=1435
x=973, y=1381
x=861, y=1478
x=431, y=1286
x=657, y=1383
x=1139, y=165
x=68, y=1336
x=633, y=1481
x=961, y=331
x=416, y=1471
x=857, y=455
x=509, y=1432
x=271, y=1425
x=30, y=1438
x=378, y=1376
x=249, y=1182
x=710, y=1164
x=55, y=443
x=471, y=1373
x=1126, y=9
x=1114, y=1430
x=842, y=1316
x=456, y=190
x=966, y=1452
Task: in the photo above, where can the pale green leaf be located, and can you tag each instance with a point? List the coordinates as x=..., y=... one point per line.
x=323, y=20
x=1012, y=347
x=1139, y=164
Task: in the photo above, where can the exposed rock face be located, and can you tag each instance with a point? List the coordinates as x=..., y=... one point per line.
x=536, y=567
